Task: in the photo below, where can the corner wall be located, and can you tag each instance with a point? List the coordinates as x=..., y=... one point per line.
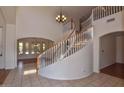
x=3, y=28
x=120, y=49
x=10, y=55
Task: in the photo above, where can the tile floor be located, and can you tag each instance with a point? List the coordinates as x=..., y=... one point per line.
x=25, y=76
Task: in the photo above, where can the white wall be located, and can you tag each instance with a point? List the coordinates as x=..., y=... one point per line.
x=2, y=26
x=120, y=49
x=101, y=27
x=10, y=55
x=37, y=22
x=107, y=50
x=1, y=49
x=76, y=66
x=8, y=48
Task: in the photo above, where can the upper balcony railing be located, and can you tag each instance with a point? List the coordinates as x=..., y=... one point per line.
x=102, y=11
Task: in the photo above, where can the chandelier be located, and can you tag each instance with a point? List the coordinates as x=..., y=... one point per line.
x=61, y=18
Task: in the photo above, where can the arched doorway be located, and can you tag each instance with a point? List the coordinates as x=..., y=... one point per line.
x=112, y=54
x=29, y=48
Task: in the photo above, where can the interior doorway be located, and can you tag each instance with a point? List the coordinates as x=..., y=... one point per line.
x=28, y=49
x=112, y=54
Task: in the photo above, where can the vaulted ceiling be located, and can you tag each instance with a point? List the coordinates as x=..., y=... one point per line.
x=78, y=11
x=9, y=12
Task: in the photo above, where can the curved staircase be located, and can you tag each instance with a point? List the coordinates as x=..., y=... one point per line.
x=72, y=58
x=65, y=59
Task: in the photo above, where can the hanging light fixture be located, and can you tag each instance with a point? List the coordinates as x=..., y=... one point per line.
x=61, y=18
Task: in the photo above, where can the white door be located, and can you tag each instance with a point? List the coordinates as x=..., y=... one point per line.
x=1, y=50
x=107, y=51
x=103, y=55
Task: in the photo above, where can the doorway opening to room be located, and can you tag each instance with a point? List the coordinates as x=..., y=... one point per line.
x=112, y=54
x=28, y=49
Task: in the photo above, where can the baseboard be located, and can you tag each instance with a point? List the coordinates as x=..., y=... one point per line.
x=120, y=62
x=106, y=66
x=7, y=68
x=1, y=67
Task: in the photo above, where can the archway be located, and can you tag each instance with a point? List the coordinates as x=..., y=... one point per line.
x=29, y=48
x=112, y=54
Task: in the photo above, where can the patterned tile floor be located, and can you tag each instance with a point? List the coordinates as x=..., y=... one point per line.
x=25, y=76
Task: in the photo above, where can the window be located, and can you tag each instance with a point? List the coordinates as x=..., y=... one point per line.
x=37, y=48
x=32, y=49
x=20, y=48
x=26, y=48
x=32, y=46
x=44, y=46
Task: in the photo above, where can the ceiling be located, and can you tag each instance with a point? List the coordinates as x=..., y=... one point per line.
x=78, y=11
x=9, y=12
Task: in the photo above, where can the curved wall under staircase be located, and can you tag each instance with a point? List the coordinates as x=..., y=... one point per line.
x=76, y=66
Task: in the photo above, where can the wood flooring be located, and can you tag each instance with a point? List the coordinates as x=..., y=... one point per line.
x=116, y=70
x=3, y=75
